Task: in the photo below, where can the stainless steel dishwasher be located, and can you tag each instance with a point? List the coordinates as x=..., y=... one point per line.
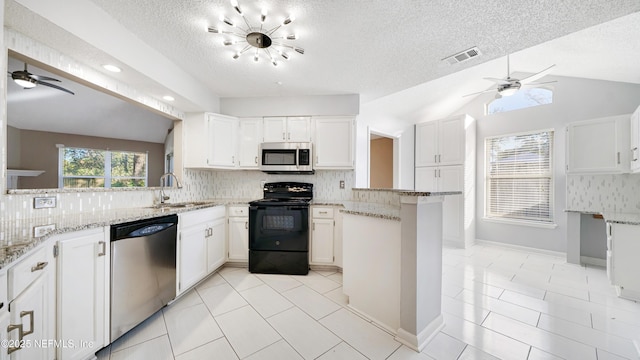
x=143, y=270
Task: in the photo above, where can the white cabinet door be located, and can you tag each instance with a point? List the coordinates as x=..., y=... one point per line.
x=275, y=129
x=322, y=241
x=299, y=129
x=451, y=141
x=451, y=178
x=32, y=311
x=82, y=286
x=192, y=256
x=222, y=138
x=598, y=145
x=4, y=336
x=333, y=143
x=250, y=138
x=238, y=238
x=426, y=144
x=287, y=129
x=625, y=245
x=635, y=141
x=216, y=245
x=426, y=178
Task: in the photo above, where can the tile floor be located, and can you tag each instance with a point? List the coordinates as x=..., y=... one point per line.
x=498, y=303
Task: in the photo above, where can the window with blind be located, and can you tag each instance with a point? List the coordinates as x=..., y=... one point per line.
x=519, y=183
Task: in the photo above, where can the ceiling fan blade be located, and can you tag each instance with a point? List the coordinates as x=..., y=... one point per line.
x=537, y=75
x=55, y=87
x=43, y=78
x=479, y=92
x=541, y=83
x=499, y=81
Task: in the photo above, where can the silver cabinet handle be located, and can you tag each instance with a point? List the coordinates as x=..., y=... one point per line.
x=246, y=224
x=633, y=154
x=233, y=159
x=104, y=248
x=256, y=160
x=39, y=266
x=10, y=328
x=284, y=136
x=439, y=158
x=289, y=136
x=435, y=158
x=618, y=157
x=323, y=212
x=30, y=313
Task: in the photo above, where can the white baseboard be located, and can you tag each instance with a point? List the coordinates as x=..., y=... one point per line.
x=417, y=342
x=522, y=248
x=593, y=261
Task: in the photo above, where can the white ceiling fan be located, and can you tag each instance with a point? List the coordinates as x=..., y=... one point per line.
x=509, y=86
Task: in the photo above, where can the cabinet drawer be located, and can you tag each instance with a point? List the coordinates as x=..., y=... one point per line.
x=322, y=213
x=195, y=217
x=24, y=273
x=238, y=210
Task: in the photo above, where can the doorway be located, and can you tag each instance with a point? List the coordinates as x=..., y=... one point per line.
x=382, y=161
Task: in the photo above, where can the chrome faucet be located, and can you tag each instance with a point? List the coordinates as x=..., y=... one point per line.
x=163, y=180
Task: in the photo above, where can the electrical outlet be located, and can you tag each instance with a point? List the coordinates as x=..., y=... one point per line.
x=44, y=202
x=341, y=184
x=42, y=230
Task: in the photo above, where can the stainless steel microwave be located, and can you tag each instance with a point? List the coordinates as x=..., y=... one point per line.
x=286, y=157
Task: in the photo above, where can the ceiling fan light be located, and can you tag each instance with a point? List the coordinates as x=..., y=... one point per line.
x=256, y=58
x=292, y=36
x=284, y=55
x=299, y=50
x=263, y=15
x=274, y=62
x=236, y=55
x=213, y=30
x=228, y=42
x=25, y=83
x=509, y=91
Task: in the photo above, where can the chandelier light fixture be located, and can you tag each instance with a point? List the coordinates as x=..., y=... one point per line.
x=261, y=41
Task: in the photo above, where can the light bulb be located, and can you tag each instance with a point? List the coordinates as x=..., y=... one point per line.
x=228, y=42
x=213, y=30
x=292, y=36
x=25, y=83
x=289, y=20
x=263, y=15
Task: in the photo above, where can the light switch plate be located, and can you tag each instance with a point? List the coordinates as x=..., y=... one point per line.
x=42, y=230
x=44, y=202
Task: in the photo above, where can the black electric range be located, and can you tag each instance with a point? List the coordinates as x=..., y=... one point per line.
x=279, y=229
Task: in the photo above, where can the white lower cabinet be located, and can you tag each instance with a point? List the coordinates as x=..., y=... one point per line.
x=199, y=245
x=238, y=233
x=4, y=336
x=325, y=240
x=31, y=285
x=83, y=293
x=622, y=261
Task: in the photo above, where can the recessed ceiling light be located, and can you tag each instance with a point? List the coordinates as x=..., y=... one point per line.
x=112, y=68
x=168, y=98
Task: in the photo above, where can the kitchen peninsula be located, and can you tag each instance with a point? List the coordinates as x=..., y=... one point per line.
x=393, y=260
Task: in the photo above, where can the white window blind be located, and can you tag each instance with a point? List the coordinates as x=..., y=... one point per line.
x=520, y=177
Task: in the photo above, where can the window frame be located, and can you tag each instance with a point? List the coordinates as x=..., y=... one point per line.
x=108, y=178
x=488, y=216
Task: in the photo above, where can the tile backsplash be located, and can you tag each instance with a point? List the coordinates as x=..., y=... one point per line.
x=243, y=185
x=600, y=193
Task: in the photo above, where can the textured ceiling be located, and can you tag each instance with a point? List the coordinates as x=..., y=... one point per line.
x=369, y=47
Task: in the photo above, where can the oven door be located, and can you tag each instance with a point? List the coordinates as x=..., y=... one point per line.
x=279, y=228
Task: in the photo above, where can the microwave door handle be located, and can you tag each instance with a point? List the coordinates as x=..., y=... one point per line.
x=298, y=158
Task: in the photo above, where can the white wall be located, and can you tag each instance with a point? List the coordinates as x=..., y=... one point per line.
x=574, y=100
x=291, y=105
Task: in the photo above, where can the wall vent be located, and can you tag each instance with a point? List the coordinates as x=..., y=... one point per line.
x=463, y=56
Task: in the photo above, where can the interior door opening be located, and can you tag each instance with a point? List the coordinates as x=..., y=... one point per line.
x=383, y=161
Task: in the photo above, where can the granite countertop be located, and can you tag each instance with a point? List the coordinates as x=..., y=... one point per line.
x=613, y=217
x=17, y=238
x=382, y=211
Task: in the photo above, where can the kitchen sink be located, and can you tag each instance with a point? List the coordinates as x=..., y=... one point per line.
x=178, y=205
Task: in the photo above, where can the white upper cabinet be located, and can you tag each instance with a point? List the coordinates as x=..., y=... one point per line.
x=333, y=142
x=210, y=141
x=441, y=142
x=250, y=138
x=599, y=146
x=287, y=129
x=222, y=136
x=635, y=141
